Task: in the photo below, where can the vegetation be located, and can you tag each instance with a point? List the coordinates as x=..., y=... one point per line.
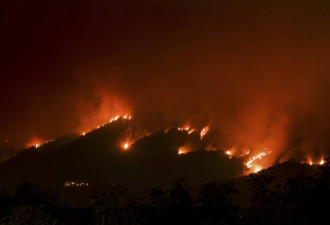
x=301, y=200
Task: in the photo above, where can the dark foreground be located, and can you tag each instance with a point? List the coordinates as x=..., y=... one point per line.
x=300, y=200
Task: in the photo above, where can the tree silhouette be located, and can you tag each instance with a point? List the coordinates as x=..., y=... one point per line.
x=215, y=204
x=115, y=207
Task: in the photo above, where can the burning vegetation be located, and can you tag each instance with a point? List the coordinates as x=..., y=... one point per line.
x=253, y=160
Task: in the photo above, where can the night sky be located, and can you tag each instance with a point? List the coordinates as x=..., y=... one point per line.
x=256, y=71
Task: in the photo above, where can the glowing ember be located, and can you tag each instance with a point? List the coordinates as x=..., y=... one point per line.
x=260, y=156
x=312, y=162
x=83, y=134
x=117, y=117
x=6, y=141
x=191, y=131
x=257, y=169
x=187, y=129
x=37, y=145
x=182, y=150
x=125, y=146
x=229, y=153
x=204, y=132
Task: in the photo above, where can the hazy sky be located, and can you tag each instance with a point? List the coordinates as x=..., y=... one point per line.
x=256, y=71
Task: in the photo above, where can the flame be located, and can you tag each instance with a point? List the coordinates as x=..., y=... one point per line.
x=83, y=133
x=312, y=162
x=125, y=146
x=256, y=157
x=229, y=153
x=250, y=164
x=124, y=117
x=182, y=150
x=204, y=131
x=37, y=143
x=187, y=128
x=257, y=169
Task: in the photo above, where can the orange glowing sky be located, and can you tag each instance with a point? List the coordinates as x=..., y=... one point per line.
x=256, y=72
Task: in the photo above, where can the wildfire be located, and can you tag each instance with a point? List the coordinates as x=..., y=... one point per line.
x=126, y=145
x=37, y=143
x=256, y=168
x=229, y=153
x=204, y=132
x=117, y=117
x=187, y=128
x=182, y=150
x=312, y=162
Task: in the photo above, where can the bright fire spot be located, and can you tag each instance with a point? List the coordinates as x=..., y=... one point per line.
x=191, y=131
x=37, y=145
x=124, y=117
x=229, y=153
x=182, y=150
x=125, y=146
x=257, y=169
x=204, y=132
x=260, y=156
x=187, y=128
x=83, y=134
x=312, y=162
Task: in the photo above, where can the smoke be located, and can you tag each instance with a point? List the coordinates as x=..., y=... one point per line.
x=257, y=72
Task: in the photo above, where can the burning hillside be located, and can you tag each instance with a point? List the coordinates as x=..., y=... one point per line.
x=194, y=139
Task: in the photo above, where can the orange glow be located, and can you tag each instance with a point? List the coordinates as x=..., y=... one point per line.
x=257, y=169
x=260, y=156
x=229, y=153
x=187, y=128
x=312, y=162
x=204, y=132
x=83, y=134
x=124, y=117
x=182, y=150
x=37, y=143
x=126, y=145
